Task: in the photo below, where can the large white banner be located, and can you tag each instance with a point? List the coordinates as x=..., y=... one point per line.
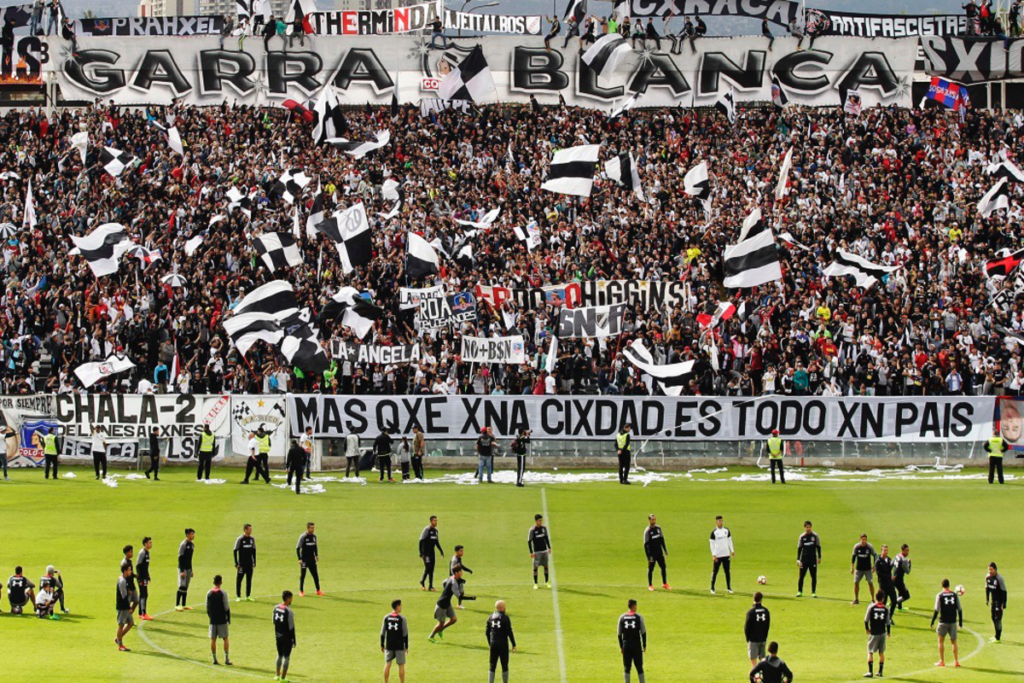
x=145, y=70
x=591, y=322
x=117, y=450
x=508, y=350
x=249, y=413
x=909, y=420
x=128, y=416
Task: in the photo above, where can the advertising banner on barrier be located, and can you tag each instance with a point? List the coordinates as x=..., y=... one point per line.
x=154, y=70
x=133, y=415
x=249, y=413
x=844, y=418
x=972, y=60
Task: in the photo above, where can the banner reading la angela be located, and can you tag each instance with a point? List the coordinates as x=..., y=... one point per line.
x=667, y=419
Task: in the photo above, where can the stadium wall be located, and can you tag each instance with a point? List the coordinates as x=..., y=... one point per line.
x=578, y=431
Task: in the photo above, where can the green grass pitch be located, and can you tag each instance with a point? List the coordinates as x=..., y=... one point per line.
x=368, y=539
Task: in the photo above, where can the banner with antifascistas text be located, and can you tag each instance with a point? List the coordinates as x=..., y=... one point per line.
x=918, y=419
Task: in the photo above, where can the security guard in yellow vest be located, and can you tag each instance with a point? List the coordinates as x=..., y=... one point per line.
x=623, y=448
x=207, y=447
x=996, y=446
x=51, y=451
x=775, y=448
x=263, y=459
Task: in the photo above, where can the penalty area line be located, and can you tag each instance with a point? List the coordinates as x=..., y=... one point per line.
x=554, y=593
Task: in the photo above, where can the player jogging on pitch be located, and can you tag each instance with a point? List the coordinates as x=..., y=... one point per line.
x=902, y=562
x=456, y=563
x=451, y=588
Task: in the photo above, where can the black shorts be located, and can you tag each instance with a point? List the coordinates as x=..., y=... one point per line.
x=284, y=647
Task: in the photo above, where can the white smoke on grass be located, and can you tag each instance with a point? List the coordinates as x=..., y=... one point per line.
x=110, y=481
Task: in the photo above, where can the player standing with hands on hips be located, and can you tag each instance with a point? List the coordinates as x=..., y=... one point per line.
x=722, y=552
x=624, y=449
x=309, y=554
x=632, y=634
x=655, y=550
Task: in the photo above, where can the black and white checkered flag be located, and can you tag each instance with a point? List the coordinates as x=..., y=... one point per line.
x=302, y=348
x=278, y=250
x=350, y=231
x=114, y=161
x=243, y=202
x=291, y=184
x=470, y=80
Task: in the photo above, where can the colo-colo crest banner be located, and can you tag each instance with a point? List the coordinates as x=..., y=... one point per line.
x=128, y=416
x=846, y=418
x=155, y=70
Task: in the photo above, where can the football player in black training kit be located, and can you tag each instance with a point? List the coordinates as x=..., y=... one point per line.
x=632, y=635
x=655, y=550
x=245, y=563
x=808, y=557
x=394, y=640
x=499, y=635
x=309, y=555
x=995, y=595
x=428, y=543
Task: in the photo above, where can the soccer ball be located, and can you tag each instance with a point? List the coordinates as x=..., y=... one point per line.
x=762, y=580
x=959, y=590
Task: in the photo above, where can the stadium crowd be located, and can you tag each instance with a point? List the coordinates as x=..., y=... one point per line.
x=896, y=186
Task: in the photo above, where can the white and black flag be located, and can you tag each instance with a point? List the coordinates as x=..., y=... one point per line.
x=572, y=171
x=727, y=105
x=243, y=8
x=696, y=183
x=246, y=329
x=605, y=55
x=996, y=198
x=103, y=248
x=623, y=108
x=1006, y=169
x=464, y=256
x=350, y=232
x=316, y=211
x=622, y=169
x=275, y=300
x=421, y=258
x=358, y=150
x=278, y=250
x=242, y=202
x=355, y=312
x=671, y=378
x=302, y=348
x=330, y=120
x=471, y=80
x=863, y=271
x=291, y=184
x=787, y=164
x=754, y=260
x=576, y=10
x=90, y=373
x=114, y=162
x=779, y=98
